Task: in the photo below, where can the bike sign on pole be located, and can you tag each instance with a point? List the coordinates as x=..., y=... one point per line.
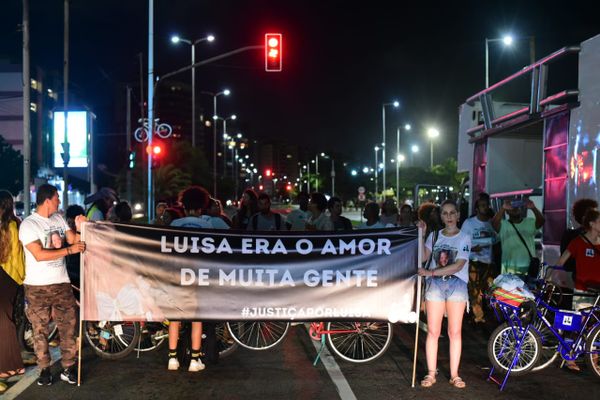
x=162, y=130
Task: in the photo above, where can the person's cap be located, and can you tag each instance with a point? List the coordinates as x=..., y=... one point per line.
x=104, y=193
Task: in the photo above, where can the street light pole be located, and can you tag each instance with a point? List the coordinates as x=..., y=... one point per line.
x=225, y=92
x=397, y=165
x=432, y=133
x=396, y=104
x=376, y=172
x=177, y=39
x=507, y=40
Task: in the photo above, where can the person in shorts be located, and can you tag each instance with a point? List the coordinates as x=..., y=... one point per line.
x=445, y=290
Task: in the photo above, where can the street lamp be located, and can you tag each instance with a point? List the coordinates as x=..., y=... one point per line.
x=317, y=170
x=396, y=104
x=233, y=117
x=176, y=39
x=376, y=169
x=225, y=92
x=507, y=41
x=432, y=133
x=414, y=149
x=406, y=128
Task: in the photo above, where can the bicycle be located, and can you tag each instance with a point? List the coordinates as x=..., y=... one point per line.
x=162, y=130
x=154, y=334
x=516, y=345
x=109, y=340
x=357, y=342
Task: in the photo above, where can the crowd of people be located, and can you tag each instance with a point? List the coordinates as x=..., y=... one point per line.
x=40, y=254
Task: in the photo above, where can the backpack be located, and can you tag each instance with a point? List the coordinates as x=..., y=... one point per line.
x=277, y=221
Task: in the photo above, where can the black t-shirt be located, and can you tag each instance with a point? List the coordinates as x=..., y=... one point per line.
x=342, y=224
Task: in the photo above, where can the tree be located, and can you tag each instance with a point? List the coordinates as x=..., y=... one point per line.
x=11, y=165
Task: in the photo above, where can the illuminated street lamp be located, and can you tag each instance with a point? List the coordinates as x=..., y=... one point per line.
x=432, y=133
x=225, y=136
x=406, y=128
x=225, y=92
x=176, y=39
x=414, y=149
x=396, y=104
x=507, y=41
x=376, y=174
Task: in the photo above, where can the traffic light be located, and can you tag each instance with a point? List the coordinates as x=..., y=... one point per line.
x=288, y=188
x=157, y=154
x=268, y=172
x=131, y=160
x=273, y=54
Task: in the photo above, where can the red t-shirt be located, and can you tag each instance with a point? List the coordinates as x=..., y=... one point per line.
x=587, y=259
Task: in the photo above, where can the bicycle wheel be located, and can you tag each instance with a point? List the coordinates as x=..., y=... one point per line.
x=256, y=335
x=359, y=342
x=112, y=340
x=153, y=335
x=25, y=334
x=225, y=342
x=502, y=349
x=164, y=130
x=592, y=351
x=549, y=349
x=141, y=134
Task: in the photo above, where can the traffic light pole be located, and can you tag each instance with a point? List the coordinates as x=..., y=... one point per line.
x=150, y=207
x=153, y=86
x=128, y=134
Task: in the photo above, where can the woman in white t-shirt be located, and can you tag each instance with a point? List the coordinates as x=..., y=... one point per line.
x=445, y=290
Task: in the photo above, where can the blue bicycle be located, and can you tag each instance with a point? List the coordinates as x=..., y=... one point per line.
x=532, y=328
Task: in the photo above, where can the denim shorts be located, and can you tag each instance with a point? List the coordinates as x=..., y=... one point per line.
x=450, y=289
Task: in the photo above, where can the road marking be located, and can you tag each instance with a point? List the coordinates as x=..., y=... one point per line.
x=30, y=377
x=334, y=371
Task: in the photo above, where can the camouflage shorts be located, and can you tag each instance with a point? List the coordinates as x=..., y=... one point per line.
x=54, y=302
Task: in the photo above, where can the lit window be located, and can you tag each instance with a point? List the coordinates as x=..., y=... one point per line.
x=34, y=84
x=33, y=107
x=288, y=156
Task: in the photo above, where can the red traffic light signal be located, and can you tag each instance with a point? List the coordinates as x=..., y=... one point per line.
x=268, y=172
x=273, y=47
x=156, y=151
x=288, y=188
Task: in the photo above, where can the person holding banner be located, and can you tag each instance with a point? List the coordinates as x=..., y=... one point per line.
x=445, y=290
x=195, y=200
x=12, y=273
x=47, y=286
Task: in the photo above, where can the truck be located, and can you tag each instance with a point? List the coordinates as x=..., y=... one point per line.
x=536, y=134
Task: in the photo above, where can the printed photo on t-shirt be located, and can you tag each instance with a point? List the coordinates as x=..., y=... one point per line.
x=444, y=257
x=54, y=240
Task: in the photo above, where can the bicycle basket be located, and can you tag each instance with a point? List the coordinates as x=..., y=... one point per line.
x=568, y=320
x=510, y=298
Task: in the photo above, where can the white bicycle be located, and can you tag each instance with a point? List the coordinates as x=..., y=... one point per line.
x=161, y=130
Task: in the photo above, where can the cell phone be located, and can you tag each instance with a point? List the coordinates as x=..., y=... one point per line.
x=517, y=203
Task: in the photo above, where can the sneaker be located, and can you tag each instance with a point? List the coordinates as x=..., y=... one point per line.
x=45, y=378
x=196, y=365
x=69, y=375
x=173, y=364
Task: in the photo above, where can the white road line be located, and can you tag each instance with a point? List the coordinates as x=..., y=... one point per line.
x=334, y=371
x=30, y=377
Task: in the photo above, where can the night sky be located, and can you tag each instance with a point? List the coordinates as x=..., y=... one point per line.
x=341, y=60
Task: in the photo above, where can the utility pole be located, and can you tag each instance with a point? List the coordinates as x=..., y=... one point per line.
x=150, y=207
x=26, y=111
x=332, y=177
x=65, y=144
x=128, y=135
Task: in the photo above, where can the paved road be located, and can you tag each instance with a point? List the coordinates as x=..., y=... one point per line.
x=286, y=372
